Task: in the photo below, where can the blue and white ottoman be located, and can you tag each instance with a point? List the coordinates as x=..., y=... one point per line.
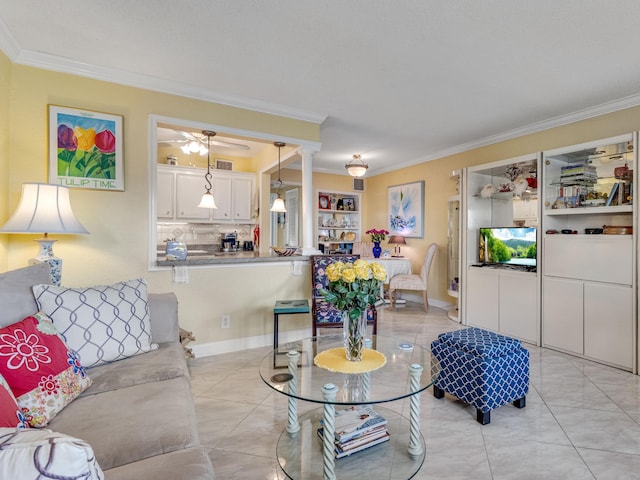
x=481, y=368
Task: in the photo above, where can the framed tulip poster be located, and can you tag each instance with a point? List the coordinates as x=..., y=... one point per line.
x=85, y=149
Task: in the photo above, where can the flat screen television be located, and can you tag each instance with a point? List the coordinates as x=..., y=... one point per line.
x=508, y=245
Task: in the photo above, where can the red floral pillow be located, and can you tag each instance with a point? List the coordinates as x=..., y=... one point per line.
x=43, y=373
x=10, y=413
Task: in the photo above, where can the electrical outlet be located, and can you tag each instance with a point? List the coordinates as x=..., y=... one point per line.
x=226, y=321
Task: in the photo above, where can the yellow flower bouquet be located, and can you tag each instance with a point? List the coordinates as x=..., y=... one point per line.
x=351, y=288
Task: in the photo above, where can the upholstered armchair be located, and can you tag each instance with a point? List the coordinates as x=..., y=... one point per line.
x=414, y=282
x=323, y=313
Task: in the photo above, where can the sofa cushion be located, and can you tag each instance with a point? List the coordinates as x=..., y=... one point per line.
x=43, y=454
x=132, y=423
x=16, y=296
x=191, y=463
x=162, y=364
x=43, y=373
x=102, y=323
x=10, y=414
x=163, y=310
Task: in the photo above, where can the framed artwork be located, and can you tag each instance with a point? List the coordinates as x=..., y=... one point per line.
x=85, y=149
x=349, y=203
x=324, y=203
x=405, y=204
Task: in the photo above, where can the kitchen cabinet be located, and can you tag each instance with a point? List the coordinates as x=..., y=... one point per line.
x=337, y=221
x=236, y=197
x=165, y=193
x=180, y=189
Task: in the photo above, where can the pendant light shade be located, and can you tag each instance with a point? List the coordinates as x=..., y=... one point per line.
x=356, y=167
x=207, y=200
x=278, y=203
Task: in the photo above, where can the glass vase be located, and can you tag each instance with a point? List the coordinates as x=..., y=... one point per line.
x=377, y=249
x=355, y=332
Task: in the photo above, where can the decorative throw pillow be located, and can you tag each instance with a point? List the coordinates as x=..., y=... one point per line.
x=44, y=375
x=102, y=323
x=43, y=454
x=10, y=413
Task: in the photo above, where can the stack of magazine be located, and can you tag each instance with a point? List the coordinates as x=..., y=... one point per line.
x=357, y=428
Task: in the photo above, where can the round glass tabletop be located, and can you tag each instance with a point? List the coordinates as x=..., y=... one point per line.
x=385, y=384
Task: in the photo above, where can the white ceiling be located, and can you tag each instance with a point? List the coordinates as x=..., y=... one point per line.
x=398, y=81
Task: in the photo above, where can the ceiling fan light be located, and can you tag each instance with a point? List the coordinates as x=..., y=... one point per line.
x=194, y=147
x=203, y=150
x=207, y=201
x=185, y=149
x=357, y=167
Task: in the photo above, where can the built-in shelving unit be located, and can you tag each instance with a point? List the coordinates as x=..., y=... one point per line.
x=338, y=221
x=453, y=247
x=589, y=303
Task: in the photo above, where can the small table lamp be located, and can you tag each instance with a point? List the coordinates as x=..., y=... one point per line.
x=396, y=241
x=44, y=208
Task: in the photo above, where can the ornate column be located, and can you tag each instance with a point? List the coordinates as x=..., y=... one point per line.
x=307, y=203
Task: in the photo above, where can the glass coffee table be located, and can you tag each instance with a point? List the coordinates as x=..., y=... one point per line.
x=303, y=454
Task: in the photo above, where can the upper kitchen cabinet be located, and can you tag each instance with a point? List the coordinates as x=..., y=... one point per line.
x=179, y=190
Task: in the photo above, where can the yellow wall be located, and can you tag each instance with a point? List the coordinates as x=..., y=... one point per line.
x=117, y=246
x=5, y=92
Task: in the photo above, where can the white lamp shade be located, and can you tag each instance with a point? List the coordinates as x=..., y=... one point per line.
x=278, y=206
x=207, y=201
x=43, y=208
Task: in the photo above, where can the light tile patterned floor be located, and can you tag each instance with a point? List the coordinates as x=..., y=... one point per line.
x=582, y=419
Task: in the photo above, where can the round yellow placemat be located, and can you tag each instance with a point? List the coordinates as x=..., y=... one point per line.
x=335, y=360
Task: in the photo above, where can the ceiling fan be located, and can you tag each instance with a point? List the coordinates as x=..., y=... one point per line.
x=194, y=142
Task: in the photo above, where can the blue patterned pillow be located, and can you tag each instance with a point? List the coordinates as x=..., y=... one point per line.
x=102, y=323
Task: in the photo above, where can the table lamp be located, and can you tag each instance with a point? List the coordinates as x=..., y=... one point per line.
x=396, y=241
x=44, y=208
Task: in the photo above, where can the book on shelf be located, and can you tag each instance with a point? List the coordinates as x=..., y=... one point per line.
x=357, y=444
x=612, y=194
x=357, y=420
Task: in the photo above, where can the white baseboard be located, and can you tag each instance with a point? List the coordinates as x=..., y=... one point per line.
x=245, y=343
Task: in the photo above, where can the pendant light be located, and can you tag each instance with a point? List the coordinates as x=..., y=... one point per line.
x=278, y=203
x=207, y=200
x=356, y=167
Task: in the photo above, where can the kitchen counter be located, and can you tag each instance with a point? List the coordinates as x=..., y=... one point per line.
x=231, y=258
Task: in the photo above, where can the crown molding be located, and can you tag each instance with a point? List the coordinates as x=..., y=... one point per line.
x=558, y=121
x=113, y=75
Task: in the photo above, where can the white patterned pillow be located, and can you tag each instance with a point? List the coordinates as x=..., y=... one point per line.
x=39, y=453
x=102, y=323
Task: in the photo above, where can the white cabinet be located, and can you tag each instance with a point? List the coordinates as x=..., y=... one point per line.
x=588, y=281
x=189, y=189
x=503, y=301
x=234, y=197
x=180, y=190
x=338, y=221
x=165, y=193
x=588, y=301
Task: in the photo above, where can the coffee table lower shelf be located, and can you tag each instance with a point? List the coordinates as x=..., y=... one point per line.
x=300, y=455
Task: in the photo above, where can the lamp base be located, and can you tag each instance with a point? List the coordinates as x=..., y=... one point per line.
x=46, y=255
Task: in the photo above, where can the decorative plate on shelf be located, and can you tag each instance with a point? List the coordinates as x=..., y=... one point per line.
x=350, y=236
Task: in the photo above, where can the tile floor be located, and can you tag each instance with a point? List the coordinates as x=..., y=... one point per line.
x=582, y=419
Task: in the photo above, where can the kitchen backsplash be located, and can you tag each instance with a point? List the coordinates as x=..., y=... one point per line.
x=202, y=234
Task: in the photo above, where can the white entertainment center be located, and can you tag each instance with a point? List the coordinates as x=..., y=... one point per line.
x=582, y=296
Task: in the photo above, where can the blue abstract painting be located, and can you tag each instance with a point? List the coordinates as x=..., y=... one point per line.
x=406, y=209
